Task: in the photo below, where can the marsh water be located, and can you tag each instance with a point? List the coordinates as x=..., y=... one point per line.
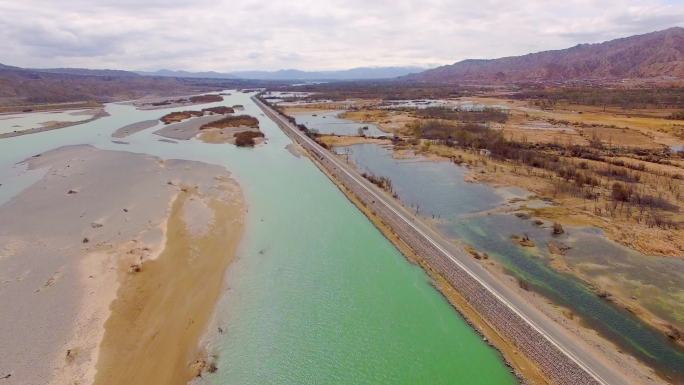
x=317, y=294
x=464, y=211
x=329, y=123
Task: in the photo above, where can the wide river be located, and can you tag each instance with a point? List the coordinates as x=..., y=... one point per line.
x=317, y=295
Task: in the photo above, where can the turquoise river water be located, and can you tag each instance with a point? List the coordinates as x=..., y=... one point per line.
x=317, y=295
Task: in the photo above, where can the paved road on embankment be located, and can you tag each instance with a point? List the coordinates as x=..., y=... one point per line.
x=559, y=354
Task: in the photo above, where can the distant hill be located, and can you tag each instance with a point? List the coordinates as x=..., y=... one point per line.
x=187, y=74
x=6, y=67
x=21, y=86
x=652, y=55
x=35, y=86
x=361, y=73
x=83, y=71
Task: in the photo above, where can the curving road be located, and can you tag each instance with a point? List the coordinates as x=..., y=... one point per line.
x=561, y=355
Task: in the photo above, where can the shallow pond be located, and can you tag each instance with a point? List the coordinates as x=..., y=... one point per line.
x=329, y=122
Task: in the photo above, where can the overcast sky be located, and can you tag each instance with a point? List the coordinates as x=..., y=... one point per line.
x=224, y=35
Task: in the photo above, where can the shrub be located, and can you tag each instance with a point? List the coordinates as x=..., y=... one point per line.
x=246, y=138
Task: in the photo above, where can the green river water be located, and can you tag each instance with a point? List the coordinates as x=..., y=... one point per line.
x=317, y=295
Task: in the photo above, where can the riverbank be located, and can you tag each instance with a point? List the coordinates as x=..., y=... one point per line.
x=86, y=234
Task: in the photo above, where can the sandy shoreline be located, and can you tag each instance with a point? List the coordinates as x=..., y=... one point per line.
x=187, y=129
x=133, y=128
x=66, y=256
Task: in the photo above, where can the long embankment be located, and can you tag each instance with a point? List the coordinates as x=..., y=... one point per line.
x=558, y=355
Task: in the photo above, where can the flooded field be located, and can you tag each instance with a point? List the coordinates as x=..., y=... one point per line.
x=329, y=123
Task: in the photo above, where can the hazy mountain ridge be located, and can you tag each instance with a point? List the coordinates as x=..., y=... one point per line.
x=20, y=86
x=187, y=74
x=652, y=55
x=360, y=73
x=84, y=71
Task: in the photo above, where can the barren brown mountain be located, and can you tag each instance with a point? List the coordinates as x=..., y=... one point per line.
x=656, y=55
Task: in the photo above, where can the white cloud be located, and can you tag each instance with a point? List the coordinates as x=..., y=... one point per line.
x=255, y=34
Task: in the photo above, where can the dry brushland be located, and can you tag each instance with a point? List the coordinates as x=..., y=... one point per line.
x=233, y=121
x=175, y=117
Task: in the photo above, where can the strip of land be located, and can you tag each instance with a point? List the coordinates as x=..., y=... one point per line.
x=99, y=113
x=133, y=128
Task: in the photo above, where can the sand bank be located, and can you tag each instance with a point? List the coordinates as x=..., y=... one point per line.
x=49, y=126
x=72, y=237
x=164, y=309
x=133, y=128
x=186, y=130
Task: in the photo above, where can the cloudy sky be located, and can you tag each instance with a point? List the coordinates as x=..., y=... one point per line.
x=224, y=35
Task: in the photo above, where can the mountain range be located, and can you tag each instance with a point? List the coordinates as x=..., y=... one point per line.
x=657, y=55
x=360, y=73
x=653, y=55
